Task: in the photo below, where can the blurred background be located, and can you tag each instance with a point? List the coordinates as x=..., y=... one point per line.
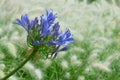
x=95, y=55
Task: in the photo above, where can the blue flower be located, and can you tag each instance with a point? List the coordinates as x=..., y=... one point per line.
x=26, y=23
x=44, y=34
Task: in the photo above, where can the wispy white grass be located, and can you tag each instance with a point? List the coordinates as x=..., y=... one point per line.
x=74, y=60
x=81, y=78
x=47, y=63
x=102, y=66
x=12, y=49
x=1, y=74
x=13, y=78
x=67, y=75
x=34, y=71
x=2, y=66
x=64, y=64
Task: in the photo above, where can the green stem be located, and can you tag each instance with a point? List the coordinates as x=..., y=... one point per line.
x=20, y=66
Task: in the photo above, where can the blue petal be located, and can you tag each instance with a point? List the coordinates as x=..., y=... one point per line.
x=18, y=22
x=50, y=16
x=51, y=43
x=34, y=23
x=70, y=39
x=38, y=42
x=27, y=19
x=23, y=21
x=46, y=28
x=56, y=26
x=65, y=48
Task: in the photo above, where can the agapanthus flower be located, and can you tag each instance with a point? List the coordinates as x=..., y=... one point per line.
x=44, y=33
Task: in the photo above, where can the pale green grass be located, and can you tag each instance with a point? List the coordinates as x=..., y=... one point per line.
x=94, y=56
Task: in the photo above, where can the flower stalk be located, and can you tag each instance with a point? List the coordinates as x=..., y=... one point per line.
x=20, y=66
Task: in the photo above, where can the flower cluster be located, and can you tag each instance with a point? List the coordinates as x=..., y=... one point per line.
x=44, y=33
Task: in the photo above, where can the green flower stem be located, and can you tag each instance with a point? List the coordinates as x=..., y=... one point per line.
x=20, y=66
